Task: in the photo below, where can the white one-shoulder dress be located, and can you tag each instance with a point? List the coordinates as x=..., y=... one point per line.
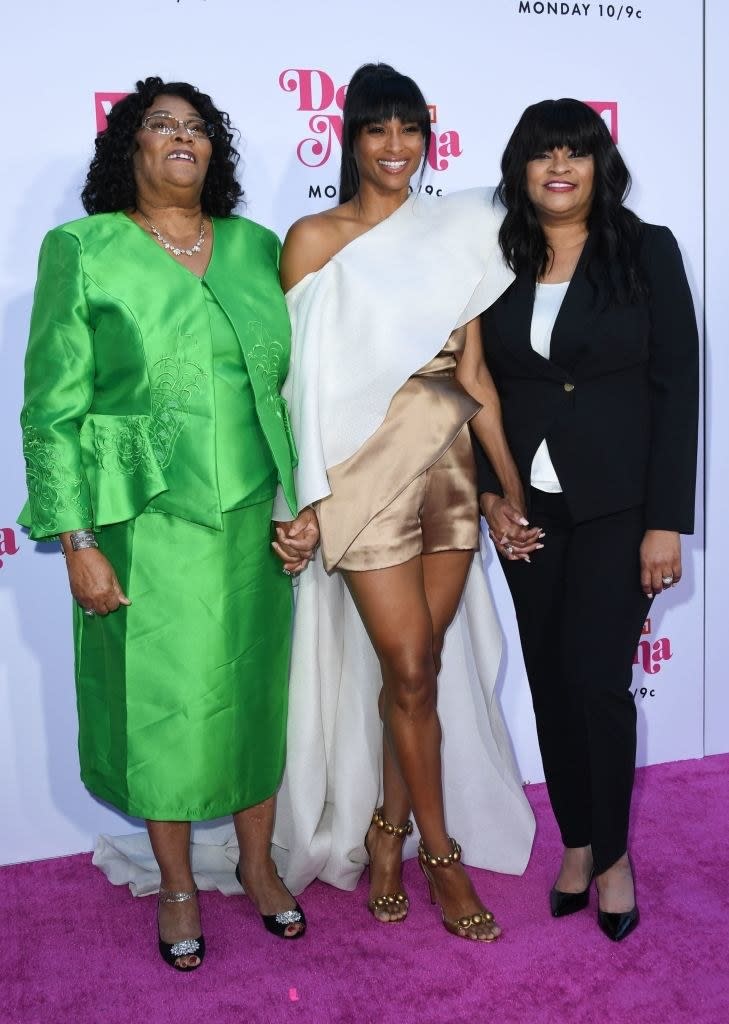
x=375, y=409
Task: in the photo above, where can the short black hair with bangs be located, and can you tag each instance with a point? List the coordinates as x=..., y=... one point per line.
x=377, y=92
x=569, y=123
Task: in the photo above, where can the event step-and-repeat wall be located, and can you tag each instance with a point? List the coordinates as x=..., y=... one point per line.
x=281, y=71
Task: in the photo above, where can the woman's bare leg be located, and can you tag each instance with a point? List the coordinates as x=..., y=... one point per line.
x=406, y=610
x=254, y=829
x=171, y=847
x=386, y=850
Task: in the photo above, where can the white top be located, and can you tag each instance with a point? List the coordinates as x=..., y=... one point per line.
x=377, y=312
x=547, y=301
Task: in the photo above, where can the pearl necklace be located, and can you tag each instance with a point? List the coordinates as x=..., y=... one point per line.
x=170, y=246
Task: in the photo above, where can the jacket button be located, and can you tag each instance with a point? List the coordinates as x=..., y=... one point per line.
x=569, y=387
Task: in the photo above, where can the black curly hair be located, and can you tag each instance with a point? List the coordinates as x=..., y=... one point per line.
x=110, y=184
x=568, y=122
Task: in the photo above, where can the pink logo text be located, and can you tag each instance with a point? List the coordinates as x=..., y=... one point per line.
x=8, y=545
x=608, y=111
x=103, y=102
x=319, y=96
x=651, y=653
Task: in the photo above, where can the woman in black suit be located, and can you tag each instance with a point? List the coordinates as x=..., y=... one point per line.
x=594, y=352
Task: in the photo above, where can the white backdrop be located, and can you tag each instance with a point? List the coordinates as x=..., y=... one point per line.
x=279, y=71
x=717, y=378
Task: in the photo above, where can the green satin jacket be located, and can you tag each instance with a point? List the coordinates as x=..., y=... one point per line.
x=119, y=406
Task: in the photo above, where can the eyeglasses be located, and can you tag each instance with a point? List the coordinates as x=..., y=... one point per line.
x=166, y=124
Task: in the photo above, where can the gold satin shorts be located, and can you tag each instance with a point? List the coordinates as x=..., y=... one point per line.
x=437, y=511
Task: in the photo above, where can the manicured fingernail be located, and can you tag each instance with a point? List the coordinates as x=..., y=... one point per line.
x=542, y=533
x=539, y=546
x=527, y=559
x=523, y=521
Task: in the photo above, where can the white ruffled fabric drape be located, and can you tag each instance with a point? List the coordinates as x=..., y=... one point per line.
x=378, y=311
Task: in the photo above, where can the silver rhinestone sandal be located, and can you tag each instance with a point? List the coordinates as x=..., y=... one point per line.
x=172, y=952
x=279, y=924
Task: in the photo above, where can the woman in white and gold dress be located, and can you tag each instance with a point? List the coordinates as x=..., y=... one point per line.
x=384, y=292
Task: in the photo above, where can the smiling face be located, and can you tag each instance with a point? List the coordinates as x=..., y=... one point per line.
x=561, y=184
x=388, y=153
x=166, y=164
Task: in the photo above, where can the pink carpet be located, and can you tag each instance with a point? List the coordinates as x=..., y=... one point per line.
x=79, y=951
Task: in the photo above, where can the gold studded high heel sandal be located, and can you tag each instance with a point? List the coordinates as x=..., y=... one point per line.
x=173, y=952
x=463, y=927
x=395, y=902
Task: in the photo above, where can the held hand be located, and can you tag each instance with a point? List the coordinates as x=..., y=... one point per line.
x=660, y=561
x=93, y=582
x=508, y=527
x=296, y=542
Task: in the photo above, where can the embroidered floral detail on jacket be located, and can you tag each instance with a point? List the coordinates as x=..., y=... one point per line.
x=173, y=384
x=267, y=363
x=128, y=442
x=124, y=445
x=52, y=491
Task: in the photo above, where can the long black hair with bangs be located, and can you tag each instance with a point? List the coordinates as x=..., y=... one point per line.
x=376, y=93
x=616, y=229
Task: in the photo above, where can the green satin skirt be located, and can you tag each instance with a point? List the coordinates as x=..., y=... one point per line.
x=182, y=697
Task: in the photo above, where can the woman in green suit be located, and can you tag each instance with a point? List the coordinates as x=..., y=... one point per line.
x=155, y=439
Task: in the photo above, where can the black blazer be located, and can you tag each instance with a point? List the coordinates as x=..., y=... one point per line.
x=617, y=400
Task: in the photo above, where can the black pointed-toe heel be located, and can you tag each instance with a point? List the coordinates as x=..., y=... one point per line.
x=171, y=952
x=277, y=924
x=564, y=903
x=618, y=926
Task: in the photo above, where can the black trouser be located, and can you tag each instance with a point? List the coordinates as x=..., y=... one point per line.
x=580, y=610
